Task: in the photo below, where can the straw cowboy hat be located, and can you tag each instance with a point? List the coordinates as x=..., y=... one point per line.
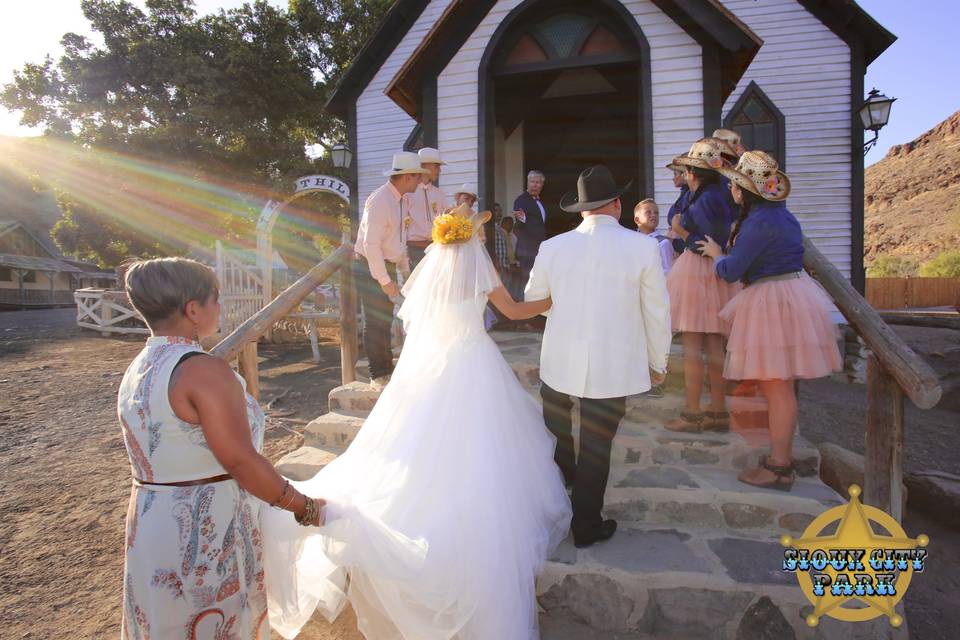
x=429, y=155
x=595, y=188
x=405, y=162
x=730, y=142
x=468, y=189
x=704, y=154
x=759, y=173
x=673, y=166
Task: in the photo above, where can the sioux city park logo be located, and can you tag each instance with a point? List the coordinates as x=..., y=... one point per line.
x=854, y=562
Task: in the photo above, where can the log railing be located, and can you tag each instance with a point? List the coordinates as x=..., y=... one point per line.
x=241, y=343
x=893, y=370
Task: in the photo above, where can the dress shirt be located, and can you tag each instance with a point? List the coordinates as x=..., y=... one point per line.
x=381, y=237
x=423, y=205
x=666, y=250
x=543, y=212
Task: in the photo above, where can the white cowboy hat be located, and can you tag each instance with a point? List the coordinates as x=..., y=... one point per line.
x=429, y=155
x=468, y=189
x=759, y=173
x=405, y=162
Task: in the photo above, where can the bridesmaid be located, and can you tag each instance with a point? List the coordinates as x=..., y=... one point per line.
x=696, y=293
x=780, y=323
x=193, y=565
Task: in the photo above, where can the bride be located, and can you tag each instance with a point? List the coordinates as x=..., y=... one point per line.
x=442, y=511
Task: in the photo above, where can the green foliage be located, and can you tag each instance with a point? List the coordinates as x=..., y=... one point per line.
x=888, y=266
x=946, y=264
x=226, y=99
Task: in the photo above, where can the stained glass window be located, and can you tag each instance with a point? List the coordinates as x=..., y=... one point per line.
x=759, y=123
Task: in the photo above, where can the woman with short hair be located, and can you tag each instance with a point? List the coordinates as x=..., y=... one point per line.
x=193, y=565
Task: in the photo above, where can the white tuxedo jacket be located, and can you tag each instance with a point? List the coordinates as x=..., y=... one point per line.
x=610, y=318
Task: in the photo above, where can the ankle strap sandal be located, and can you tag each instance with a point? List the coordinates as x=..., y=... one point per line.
x=785, y=476
x=688, y=422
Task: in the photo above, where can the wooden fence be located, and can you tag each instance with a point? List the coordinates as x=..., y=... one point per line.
x=912, y=293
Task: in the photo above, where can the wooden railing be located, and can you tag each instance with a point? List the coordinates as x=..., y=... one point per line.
x=107, y=311
x=893, y=369
x=241, y=343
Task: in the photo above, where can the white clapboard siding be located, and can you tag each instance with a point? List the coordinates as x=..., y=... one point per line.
x=804, y=68
x=382, y=126
x=677, y=92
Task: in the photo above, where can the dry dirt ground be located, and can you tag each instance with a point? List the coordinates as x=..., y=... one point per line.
x=64, y=475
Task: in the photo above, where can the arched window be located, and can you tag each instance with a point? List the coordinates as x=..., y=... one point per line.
x=759, y=123
x=566, y=34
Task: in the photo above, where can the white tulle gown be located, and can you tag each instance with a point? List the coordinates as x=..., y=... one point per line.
x=444, y=508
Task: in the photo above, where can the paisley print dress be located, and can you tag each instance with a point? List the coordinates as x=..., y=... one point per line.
x=193, y=566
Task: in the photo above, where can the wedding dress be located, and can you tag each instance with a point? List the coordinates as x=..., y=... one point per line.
x=444, y=508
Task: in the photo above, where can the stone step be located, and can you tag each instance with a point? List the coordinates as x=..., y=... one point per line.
x=306, y=462
x=682, y=583
x=354, y=397
x=334, y=430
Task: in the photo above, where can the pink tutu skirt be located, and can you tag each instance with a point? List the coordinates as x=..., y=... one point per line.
x=697, y=295
x=780, y=330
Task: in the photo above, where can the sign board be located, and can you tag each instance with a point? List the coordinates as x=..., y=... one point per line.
x=327, y=184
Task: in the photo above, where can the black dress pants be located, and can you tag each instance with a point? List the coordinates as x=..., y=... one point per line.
x=588, y=472
x=377, y=319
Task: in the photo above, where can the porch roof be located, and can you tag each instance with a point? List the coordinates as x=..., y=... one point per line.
x=36, y=263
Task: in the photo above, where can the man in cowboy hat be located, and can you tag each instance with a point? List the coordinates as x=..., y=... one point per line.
x=381, y=240
x=607, y=337
x=423, y=205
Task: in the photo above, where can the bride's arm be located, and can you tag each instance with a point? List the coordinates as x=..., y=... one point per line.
x=503, y=301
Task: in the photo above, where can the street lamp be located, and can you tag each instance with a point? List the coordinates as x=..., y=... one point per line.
x=874, y=115
x=341, y=156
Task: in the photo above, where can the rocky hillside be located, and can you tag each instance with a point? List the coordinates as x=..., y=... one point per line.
x=912, y=196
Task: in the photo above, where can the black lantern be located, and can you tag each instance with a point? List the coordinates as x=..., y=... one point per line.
x=341, y=156
x=874, y=115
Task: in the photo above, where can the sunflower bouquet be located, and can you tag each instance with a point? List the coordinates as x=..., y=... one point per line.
x=450, y=228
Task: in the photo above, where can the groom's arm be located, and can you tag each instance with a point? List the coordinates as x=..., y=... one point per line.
x=538, y=286
x=655, y=307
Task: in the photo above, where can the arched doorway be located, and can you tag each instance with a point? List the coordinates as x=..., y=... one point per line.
x=564, y=85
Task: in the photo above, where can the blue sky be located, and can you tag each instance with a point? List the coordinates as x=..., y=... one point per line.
x=920, y=69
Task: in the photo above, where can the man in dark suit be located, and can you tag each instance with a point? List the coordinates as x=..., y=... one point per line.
x=530, y=228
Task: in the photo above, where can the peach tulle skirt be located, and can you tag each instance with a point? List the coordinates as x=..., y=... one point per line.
x=779, y=330
x=697, y=295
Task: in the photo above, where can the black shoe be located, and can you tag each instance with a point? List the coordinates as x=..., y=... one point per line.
x=656, y=392
x=603, y=531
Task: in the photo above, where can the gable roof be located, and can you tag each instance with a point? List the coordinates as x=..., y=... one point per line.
x=708, y=22
x=9, y=226
x=395, y=24
x=844, y=17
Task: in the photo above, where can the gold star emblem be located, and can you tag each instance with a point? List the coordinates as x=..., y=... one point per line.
x=854, y=531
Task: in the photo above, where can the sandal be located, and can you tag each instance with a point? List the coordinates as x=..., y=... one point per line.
x=716, y=421
x=688, y=422
x=784, y=476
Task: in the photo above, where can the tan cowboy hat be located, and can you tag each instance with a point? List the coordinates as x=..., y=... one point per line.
x=429, y=155
x=673, y=166
x=730, y=142
x=704, y=154
x=405, y=162
x=759, y=173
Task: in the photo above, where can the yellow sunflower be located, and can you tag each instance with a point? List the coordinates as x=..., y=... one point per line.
x=451, y=229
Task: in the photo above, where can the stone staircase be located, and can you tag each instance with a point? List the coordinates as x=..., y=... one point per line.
x=696, y=554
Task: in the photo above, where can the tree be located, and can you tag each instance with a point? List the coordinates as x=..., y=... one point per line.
x=887, y=266
x=229, y=99
x=946, y=264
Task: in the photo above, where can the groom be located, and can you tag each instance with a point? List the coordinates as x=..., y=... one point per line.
x=609, y=324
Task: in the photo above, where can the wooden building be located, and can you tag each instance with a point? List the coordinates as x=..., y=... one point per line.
x=505, y=86
x=34, y=275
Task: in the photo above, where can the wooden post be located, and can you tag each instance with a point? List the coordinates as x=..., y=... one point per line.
x=913, y=374
x=249, y=368
x=255, y=326
x=883, y=459
x=106, y=315
x=349, y=340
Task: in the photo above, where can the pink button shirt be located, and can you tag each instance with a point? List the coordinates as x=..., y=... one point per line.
x=381, y=237
x=423, y=205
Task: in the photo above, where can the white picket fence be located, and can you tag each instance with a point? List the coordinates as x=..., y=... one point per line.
x=107, y=311
x=241, y=289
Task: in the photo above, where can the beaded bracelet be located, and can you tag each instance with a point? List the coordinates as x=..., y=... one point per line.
x=283, y=492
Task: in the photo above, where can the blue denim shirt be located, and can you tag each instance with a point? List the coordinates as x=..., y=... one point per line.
x=679, y=205
x=708, y=213
x=770, y=243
